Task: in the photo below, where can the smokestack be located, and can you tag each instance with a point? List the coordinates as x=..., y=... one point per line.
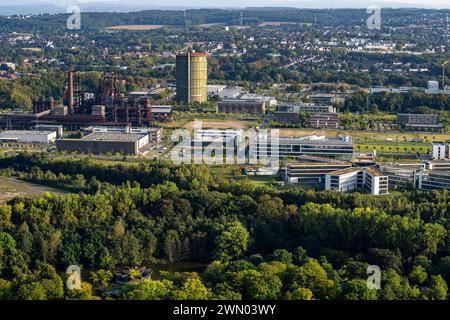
x=71, y=93
x=51, y=104
x=35, y=106
x=42, y=105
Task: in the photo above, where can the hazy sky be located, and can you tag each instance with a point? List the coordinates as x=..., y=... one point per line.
x=243, y=3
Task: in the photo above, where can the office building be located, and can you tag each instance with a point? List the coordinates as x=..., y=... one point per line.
x=438, y=165
x=191, y=76
x=435, y=179
x=310, y=169
x=324, y=120
x=306, y=108
x=433, y=85
x=268, y=100
x=338, y=148
x=440, y=151
x=289, y=113
x=27, y=136
x=402, y=175
x=370, y=179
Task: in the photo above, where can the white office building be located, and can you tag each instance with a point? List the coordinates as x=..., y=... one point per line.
x=440, y=150
x=370, y=179
x=433, y=85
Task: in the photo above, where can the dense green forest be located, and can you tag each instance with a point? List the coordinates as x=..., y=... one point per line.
x=259, y=242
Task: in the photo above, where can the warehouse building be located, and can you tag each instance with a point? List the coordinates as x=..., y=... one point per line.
x=154, y=133
x=28, y=136
x=370, y=179
x=105, y=142
x=44, y=127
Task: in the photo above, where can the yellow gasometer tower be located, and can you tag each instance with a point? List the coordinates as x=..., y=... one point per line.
x=192, y=76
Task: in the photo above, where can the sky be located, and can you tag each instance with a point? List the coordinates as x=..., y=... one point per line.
x=243, y=3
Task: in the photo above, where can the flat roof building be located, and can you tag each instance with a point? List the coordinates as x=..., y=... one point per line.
x=28, y=136
x=155, y=133
x=435, y=179
x=338, y=148
x=324, y=120
x=105, y=142
x=312, y=169
x=440, y=151
x=370, y=179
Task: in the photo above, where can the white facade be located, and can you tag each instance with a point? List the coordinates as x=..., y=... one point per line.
x=368, y=178
x=440, y=150
x=26, y=136
x=433, y=85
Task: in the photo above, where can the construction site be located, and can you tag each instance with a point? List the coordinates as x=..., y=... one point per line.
x=107, y=106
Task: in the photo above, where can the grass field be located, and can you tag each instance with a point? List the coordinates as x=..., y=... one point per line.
x=366, y=136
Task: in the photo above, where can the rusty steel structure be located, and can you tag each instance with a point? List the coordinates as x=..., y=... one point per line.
x=107, y=106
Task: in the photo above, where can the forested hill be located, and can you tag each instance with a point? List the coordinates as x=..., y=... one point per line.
x=259, y=242
x=251, y=16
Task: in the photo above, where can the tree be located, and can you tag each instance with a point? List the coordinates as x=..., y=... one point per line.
x=232, y=242
x=172, y=246
x=300, y=294
x=418, y=275
x=437, y=289
x=101, y=278
x=148, y=290
x=256, y=286
x=356, y=289
x=282, y=255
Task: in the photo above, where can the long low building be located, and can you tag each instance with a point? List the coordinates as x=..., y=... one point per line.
x=28, y=136
x=105, y=142
x=241, y=106
x=402, y=174
x=154, y=133
x=370, y=179
x=337, y=148
x=312, y=169
x=419, y=122
x=324, y=120
x=435, y=179
x=290, y=113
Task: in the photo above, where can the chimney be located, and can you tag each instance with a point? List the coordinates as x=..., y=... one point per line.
x=71, y=92
x=51, y=104
x=42, y=105
x=35, y=106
